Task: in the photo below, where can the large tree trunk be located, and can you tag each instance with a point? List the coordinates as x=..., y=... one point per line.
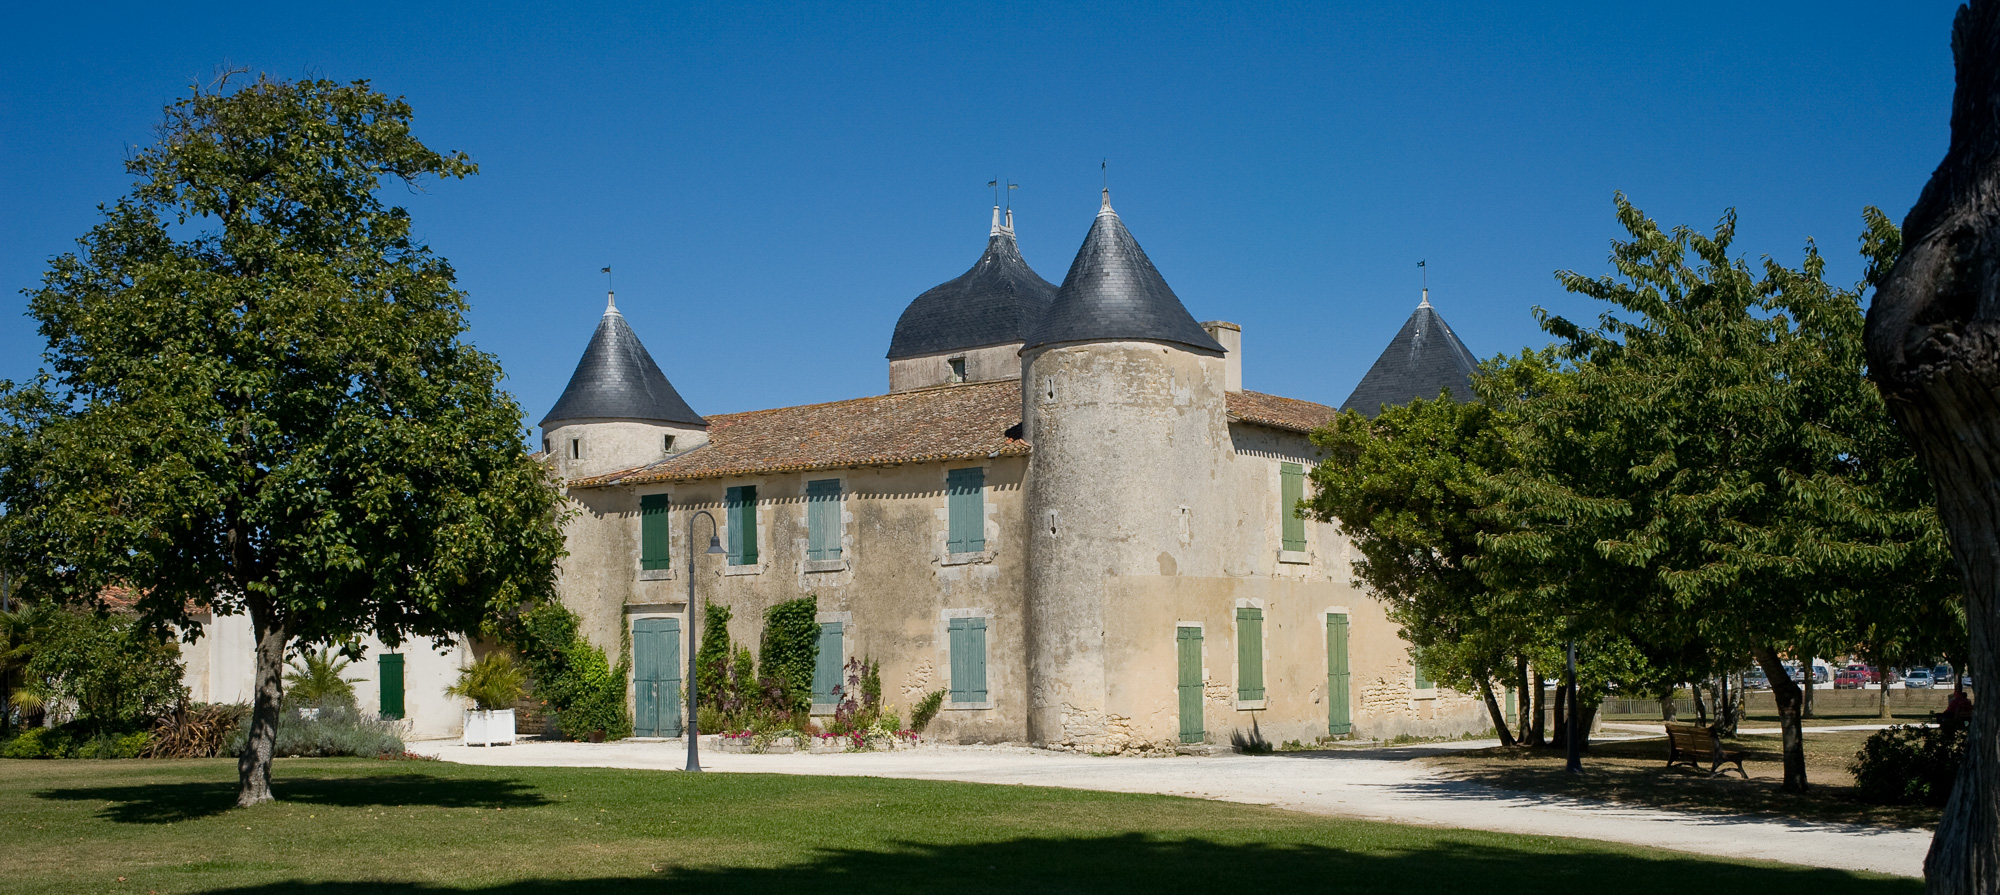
x=1525, y=700
x=1884, y=713
x=253, y=767
x=1934, y=349
x=1493, y=710
x=1790, y=705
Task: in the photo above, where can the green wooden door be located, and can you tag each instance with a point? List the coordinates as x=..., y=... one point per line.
x=829, y=668
x=390, y=674
x=1339, y=720
x=656, y=677
x=1189, y=640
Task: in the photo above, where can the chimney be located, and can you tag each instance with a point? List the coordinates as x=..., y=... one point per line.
x=1231, y=337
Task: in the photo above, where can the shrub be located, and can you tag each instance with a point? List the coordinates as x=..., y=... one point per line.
x=332, y=730
x=926, y=710
x=711, y=662
x=571, y=676
x=493, y=682
x=1910, y=765
x=789, y=650
x=198, y=731
x=116, y=674
x=74, y=741
x=313, y=678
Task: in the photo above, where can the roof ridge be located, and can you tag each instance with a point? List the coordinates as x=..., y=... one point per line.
x=957, y=386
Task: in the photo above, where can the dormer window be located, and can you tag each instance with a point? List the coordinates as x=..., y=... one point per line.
x=957, y=369
x=667, y=444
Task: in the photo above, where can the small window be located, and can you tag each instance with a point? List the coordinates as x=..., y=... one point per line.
x=957, y=369
x=547, y=447
x=823, y=520
x=667, y=444
x=576, y=449
x=1048, y=388
x=968, y=660
x=966, y=496
x=1249, y=654
x=741, y=510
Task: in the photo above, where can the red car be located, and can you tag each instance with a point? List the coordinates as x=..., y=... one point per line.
x=1849, y=679
x=1869, y=676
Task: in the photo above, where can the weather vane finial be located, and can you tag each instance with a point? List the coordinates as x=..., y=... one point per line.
x=1426, y=273
x=610, y=297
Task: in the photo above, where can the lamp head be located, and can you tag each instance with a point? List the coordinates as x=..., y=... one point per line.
x=715, y=545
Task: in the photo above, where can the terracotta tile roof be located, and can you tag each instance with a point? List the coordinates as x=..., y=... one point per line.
x=119, y=597
x=951, y=423
x=1279, y=413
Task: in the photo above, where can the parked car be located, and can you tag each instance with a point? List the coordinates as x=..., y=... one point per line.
x=1755, y=679
x=1869, y=676
x=1941, y=676
x=1917, y=679
x=1849, y=679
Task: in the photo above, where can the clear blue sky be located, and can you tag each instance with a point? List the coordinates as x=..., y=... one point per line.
x=773, y=185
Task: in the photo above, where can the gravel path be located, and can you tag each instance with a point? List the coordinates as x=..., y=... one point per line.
x=1378, y=784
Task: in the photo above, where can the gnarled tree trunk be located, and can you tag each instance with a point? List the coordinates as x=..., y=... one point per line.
x=1790, y=699
x=1493, y=711
x=1538, y=733
x=1934, y=349
x=253, y=767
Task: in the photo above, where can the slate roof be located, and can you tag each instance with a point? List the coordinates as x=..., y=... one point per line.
x=617, y=379
x=992, y=304
x=1279, y=413
x=1114, y=292
x=1423, y=359
x=951, y=423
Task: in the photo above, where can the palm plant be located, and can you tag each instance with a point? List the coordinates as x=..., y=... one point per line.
x=494, y=682
x=313, y=678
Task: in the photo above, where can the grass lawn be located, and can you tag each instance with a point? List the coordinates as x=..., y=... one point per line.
x=1635, y=772
x=366, y=826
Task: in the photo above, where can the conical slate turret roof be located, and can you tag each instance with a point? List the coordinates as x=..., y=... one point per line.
x=992, y=304
x=1424, y=358
x=1113, y=292
x=618, y=380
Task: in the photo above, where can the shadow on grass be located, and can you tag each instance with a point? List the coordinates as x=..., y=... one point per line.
x=1137, y=862
x=160, y=803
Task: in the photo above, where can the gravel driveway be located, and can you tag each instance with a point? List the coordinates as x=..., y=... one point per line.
x=1377, y=784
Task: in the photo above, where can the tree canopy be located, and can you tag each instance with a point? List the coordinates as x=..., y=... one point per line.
x=257, y=400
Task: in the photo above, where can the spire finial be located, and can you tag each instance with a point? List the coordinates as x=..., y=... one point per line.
x=610, y=297
x=996, y=222
x=1427, y=284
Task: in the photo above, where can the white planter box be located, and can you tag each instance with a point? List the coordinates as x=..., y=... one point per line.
x=489, y=728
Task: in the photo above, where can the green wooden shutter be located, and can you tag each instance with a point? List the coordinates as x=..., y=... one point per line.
x=389, y=671
x=654, y=551
x=1249, y=654
x=823, y=520
x=966, y=490
x=831, y=662
x=741, y=507
x=1188, y=641
x=968, y=659
x=1292, y=478
x=1339, y=715
x=1420, y=678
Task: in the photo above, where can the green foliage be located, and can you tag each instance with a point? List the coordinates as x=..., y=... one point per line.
x=114, y=674
x=329, y=730
x=256, y=397
x=314, y=678
x=1908, y=765
x=711, y=662
x=860, y=699
x=74, y=741
x=789, y=650
x=493, y=682
x=572, y=676
x=926, y=710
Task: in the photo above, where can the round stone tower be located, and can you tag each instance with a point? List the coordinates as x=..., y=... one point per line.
x=1123, y=400
x=619, y=411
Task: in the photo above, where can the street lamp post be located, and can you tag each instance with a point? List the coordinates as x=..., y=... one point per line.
x=714, y=546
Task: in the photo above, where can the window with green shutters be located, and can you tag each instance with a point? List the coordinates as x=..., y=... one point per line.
x=1292, y=481
x=740, y=505
x=1420, y=677
x=654, y=552
x=968, y=660
x=389, y=673
x=1249, y=654
x=831, y=663
x=823, y=520
x=966, y=493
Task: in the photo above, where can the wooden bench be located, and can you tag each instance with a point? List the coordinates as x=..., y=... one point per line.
x=1694, y=744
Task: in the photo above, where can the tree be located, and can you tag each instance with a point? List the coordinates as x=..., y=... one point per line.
x=1933, y=343
x=256, y=399
x=1719, y=479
